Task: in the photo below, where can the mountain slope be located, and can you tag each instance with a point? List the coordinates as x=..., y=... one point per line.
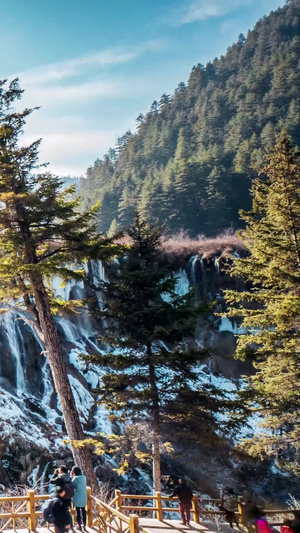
x=190, y=163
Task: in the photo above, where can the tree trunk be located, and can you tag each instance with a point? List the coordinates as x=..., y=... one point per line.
x=155, y=424
x=82, y=456
x=156, y=462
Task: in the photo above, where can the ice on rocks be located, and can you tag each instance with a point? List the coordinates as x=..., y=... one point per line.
x=83, y=399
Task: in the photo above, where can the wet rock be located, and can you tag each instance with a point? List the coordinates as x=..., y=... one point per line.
x=34, y=407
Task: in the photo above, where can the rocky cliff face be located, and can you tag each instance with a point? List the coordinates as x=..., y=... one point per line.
x=31, y=427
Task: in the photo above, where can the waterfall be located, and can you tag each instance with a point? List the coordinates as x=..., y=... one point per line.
x=43, y=480
x=97, y=274
x=192, y=269
x=9, y=323
x=217, y=264
x=182, y=283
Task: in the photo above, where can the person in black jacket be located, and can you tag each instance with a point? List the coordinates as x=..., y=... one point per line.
x=294, y=524
x=185, y=496
x=61, y=511
x=229, y=505
x=62, y=479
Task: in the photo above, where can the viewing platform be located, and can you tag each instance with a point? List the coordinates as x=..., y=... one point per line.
x=125, y=513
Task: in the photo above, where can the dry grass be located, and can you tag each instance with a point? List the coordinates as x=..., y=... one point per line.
x=182, y=246
x=222, y=245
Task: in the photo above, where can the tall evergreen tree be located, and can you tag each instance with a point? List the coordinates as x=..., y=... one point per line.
x=41, y=233
x=151, y=374
x=270, y=307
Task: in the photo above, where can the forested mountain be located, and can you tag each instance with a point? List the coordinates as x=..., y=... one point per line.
x=191, y=161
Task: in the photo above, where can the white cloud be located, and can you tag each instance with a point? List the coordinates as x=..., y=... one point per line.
x=200, y=10
x=78, y=79
x=55, y=72
x=70, y=153
x=54, y=95
x=75, y=121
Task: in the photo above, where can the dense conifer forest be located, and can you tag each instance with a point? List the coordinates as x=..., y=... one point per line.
x=191, y=161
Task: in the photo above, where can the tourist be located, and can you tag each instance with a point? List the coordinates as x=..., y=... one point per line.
x=259, y=523
x=80, y=496
x=249, y=512
x=60, y=511
x=229, y=507
x=61, y=478
x=185, y=496
x=293, y=525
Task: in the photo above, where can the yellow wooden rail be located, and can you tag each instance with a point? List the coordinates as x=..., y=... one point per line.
x=107, y=519
x=23, y=512
x=159, y=506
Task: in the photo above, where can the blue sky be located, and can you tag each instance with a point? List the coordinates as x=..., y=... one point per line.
x=94, y=65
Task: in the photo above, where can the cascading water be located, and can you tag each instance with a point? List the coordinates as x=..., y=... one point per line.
x=97, y=275
x=191, y=269
x=182, y=283
x=10, y=327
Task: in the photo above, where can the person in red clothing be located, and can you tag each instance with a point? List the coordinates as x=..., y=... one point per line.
x=291, y=526
x=185, y=496
x=259, y=522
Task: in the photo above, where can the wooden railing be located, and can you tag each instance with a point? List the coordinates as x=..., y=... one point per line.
x=24, y=512
x=20, y=511
x=202, y=508
x=107, y=519
x=160, y=505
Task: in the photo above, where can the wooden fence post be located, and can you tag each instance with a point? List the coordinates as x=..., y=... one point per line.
x=31, y=509
x=133, y=523
x=119, y=500
x=89, y=520
x=159, y=511
x=119, y=505
x=195, y=506
x=241, y=509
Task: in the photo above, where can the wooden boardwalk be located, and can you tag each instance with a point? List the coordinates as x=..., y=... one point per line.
x=151, y=525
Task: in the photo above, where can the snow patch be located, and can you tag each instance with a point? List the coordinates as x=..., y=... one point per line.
x=83, y=399
x=15, y=420
x=230, y=325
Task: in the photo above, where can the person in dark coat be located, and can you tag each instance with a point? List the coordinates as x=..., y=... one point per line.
x=62, y=479
x=250, y=513
x=295, y=524
x=229, y=507
x=61, y=511
x=185, y=496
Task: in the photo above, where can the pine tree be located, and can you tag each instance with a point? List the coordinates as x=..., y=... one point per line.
x=151, y=374
x=271, y=306
x=113, y=229
x=126, y=208
x=41, y=233
x=215, y=202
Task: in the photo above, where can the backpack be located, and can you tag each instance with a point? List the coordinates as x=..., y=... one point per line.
x=47, y=510
x=69, y=488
